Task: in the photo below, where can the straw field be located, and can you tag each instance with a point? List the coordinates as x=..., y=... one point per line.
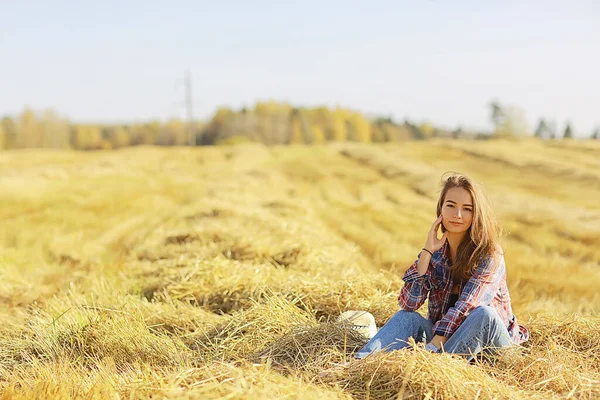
x=218, y=272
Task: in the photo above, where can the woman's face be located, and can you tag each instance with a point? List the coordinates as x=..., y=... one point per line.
x=457, y=210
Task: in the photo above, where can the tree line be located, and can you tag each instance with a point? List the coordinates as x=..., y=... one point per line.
x=271, y=123
x=48, y=130
x=510, y=121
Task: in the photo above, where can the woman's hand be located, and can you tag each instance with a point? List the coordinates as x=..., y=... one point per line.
x=433, y=243
x=438, y=342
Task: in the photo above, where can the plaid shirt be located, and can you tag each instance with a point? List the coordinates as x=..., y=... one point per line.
x=487, y=286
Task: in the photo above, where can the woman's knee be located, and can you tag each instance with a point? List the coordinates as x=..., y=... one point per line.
x=404, y=314
x=484, y=313
x=411, y=318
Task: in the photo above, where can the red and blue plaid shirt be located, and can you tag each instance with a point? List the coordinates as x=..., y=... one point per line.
x=487, y=286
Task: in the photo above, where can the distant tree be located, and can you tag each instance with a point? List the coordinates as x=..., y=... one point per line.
x=552, y=129
x=29, y=132
x=568, y=132
x=119, y=137
x=426, y=129
x=145, y=134
x=220, y=126
x=87, y=137
x=263, y=113
x=153, y=129
x=441, y=132
x=193, y=132
x=457, y=133
x=307, y=132
x=338, y=125
x=542, y=129
x=54, y=131
x=414, y=129
x=301, y=128
x=320, y=116
x=596, y=134
x=9, y=126
x=163, y=138
x=399, y=132
x=319, y=135
x=280, y=124
x=512, y=123
x=497, y=113
x=177, y=132
x=362, y=128
x=383, y=130
x=297, y=135
x=351, y=135
x=271, y=121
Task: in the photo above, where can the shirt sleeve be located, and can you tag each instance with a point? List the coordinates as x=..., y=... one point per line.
x=479, y=291
x=416, y=287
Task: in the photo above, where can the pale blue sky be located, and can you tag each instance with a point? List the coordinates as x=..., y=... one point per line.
x=440, y=61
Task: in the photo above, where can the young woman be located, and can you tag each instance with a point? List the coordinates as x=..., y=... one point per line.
x=464, y=275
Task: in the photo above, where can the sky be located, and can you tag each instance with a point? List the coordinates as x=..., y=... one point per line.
x=429, y=61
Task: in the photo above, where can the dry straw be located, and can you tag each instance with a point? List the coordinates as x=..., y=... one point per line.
x=217, y=272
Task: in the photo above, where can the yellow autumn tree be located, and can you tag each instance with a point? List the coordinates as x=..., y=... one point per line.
x=307, y=132
x=2, y=138
x=377, y=133
x=270, y=121
x=222, y=122
x=263, y=115
x=177, y=133
x=11, y=131
x=87, y=137
x=318, y=134
x=28, y=133
x=362, y=128
x=297, y=134
x=54, y=132
x=338, y=125
x=280, y=123
x=321, y=117
x=119, y=137
x=427, y=130
x=152, y=130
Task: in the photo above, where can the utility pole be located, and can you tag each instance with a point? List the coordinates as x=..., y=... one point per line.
x=188, y=106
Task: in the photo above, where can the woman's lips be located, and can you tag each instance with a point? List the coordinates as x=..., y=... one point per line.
x=455, y=223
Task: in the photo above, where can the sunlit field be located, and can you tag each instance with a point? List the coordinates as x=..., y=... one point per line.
x=219, y=272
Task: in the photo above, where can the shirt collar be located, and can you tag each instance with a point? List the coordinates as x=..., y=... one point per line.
x=446, y=251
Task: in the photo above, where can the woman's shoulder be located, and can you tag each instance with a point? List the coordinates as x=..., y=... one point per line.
x=497, y=252
x=495, y=257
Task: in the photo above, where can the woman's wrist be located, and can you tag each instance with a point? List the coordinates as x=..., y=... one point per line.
x=426, y=250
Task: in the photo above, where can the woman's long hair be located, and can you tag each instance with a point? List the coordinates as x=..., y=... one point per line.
x=482, y=237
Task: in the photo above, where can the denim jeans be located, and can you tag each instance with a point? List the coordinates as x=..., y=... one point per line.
x=482, y=330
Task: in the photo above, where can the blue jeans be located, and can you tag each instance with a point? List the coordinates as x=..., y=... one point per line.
x=481, y=330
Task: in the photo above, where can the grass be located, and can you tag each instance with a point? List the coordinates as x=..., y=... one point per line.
x=219, y=272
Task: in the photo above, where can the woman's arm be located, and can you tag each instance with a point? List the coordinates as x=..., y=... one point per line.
x=417, y=283
x=417, y=279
